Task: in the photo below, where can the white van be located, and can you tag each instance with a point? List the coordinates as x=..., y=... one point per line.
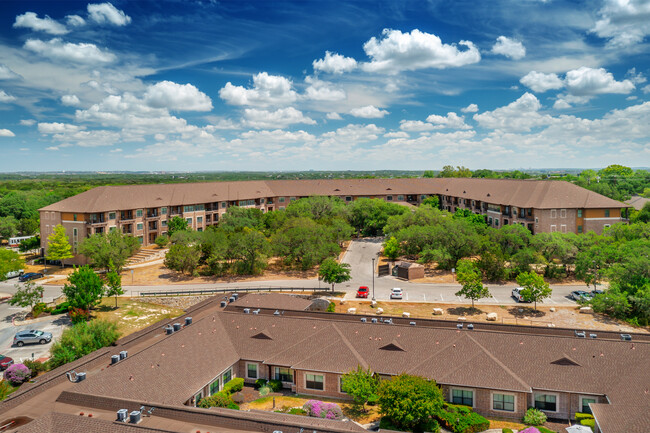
x=14, y=274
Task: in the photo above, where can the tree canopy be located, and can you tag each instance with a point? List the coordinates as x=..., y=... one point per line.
x=333, y=272
x=410, y=402
x=109, y=251
x=10, y=261
x=58, y=245
x=84, y=289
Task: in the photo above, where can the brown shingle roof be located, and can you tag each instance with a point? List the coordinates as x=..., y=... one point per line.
x=276, y=301
x=521, y=193
x=55, y=422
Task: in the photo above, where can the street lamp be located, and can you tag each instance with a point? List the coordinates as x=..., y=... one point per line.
x=373, y=278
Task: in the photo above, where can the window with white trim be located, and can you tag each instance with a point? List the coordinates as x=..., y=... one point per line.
x=389, y=198
x=562, y=213
x=553, y=228
x=505, y=402
x=140, y=226
x=462, y=396
x=606, y=213
x=214, y=387
x=546, y=402
x=315, y=381
x=283, y=374
x=553, y=213
x=563, y=228
x=341, y=390
x=251, y=370
x=584, y=404
x=227, y=376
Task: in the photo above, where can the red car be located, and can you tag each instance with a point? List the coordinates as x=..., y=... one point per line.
x=362, y=292
x=5, y=362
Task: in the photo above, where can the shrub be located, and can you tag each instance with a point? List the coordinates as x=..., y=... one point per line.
x=320, y=409
x=534, y=417
x=580, y=416
x=36, y=366
x=373, y=400
x=39, y=309
x=81, y=339
x=233, y=406
x=78, y=315
x=331, y=307
x=161, y=241
x=589, y=423
x=544, y=430
x=234, y=385
x=265, y=390
x=219, y=399
x=461, y=419
x=17, y=373
x=260, y=383
x=275, y=385
x=61, y=308
x=506, y=430
x=5, y=389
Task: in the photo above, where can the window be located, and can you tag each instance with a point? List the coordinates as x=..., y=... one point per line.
x=197, y=398
x=292, y=199
x=579, y=213
x=246, y=203
x=579, y=229
x=283, y=374
x=462, y=396
x=261, y=201
x=251, y=371
x=503, y=402
x=163, y=223
x=562, y=213
x=74, y=232
x=496, y=222
x=553, y=228
x=389, y=197
x=189, y=221
x=214, y=387
x=227, y=376
x=199, y=220
x=111, y=215
x=199, y=207
x=74, y=217
x=163, y=211
x=281, y=199
x=553, y=213
x=606, y=213
x=224, y=204
x=341, y=390
x=505, y=222
x=314, y=381
x=281, y=207
x=188, y=208
x=138, y=213
x=563, y=228
x=422, y=197
x=606, y=225
x=400, y=198
x=140, y=239
x=47, y=215
x=348, y=198
x=140, y=226
x=584, y=404
x=546, y=402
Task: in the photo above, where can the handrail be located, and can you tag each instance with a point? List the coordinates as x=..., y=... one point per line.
x=229, y=290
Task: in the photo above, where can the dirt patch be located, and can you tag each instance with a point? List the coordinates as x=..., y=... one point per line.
x=180, y=302
x=131, y=315
x=562, y=317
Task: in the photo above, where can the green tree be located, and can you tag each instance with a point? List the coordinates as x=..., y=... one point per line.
x=317, y=208
x=30, y=244
x=369, y=216
x=82, y=339
x=303, y=242
x=341, y=230
x=470, y=216
x=27, y=296
x=28, y=226
x=333, y=272
x=392, y=248
x=410, y=402
x=360, y=384
x=58, y=245
x=10, y=261
x=8, y=227
x=113, y=285
x=613, y=302
x=643, y=215
x=237, y=218
x=176, y=224
x=429, y=174
x=469, y=276
x=84, y=289
x=432, y=201
x=161, y=240
x=447, y=171
x=110, y=250
x=535, y=289
x=183, y=258
x=249, y=247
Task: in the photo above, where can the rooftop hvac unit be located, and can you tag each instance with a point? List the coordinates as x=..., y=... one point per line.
x=235, y=295
x=177, y=327
x=373, y=320
x=459, y=325
x=389, y=321
x=122, y=414
x=626, y=337
x=123, y=354
x=580, y=334
x=364, y=320
x=247, y=310
x=169, y=330
x=412, y=323
x=115, y=359
x=593, y=335
x=188, y=321
x=276, y=313
x=81, y=376
x=232, y=299
x=135, y=417
x=256, y=311
x=470, y=326
x=223, y=303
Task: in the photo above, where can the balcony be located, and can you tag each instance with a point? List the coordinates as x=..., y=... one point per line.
x=153, y=214
x=125, y=216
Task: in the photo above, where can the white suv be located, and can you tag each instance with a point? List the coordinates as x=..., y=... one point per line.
x=396, y=293
x=516, y=293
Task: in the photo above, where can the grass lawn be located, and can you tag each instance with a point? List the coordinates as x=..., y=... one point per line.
x=284, y=403
x=132, y=315
x=498, y=424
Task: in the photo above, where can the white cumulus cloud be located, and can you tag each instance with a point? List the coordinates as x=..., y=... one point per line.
x=56, y=49
x=180, y=97
x=6, y=133
x=368, y=112
x=334, y=116
x=267, y=90
x=27, y=122
x=5, y=97
x=471, y=108
x=6, y=73
x=334, y=63
x=541, y=82
x=511, y=48
x=623, y=23
x=322, y=91
x=56, y=128
x=106, y=13
x=520, y=116
x=398, y=51
x=415, y=126
x=451, y=121
x=31, y=21
x=70, y=100
x=280, y=118
x=75, y=21
x=587, y=81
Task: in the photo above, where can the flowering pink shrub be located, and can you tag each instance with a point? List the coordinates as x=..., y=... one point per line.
x=321, y=409
x=17, y=373
x=530, y=430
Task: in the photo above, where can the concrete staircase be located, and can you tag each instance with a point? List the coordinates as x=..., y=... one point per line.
x=146, y=255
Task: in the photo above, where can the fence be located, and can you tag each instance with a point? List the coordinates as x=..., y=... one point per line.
x=230, y=290
x=383, y=270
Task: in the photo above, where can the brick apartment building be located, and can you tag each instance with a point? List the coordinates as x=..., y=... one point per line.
x=143, y=210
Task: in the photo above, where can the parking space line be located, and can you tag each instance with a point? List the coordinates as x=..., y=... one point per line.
x=441, y=298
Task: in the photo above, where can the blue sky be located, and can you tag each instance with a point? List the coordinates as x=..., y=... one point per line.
x=271, y=85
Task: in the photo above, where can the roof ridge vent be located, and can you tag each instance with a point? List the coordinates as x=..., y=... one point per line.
x=263, y=335
x=565, y=360
x=393, y=346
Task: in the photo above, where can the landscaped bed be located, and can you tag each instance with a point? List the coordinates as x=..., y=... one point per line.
x=132, y=314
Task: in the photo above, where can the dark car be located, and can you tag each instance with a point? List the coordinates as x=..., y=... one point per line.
x=362, y=292
x=5, y=362
x=30, y=276
x=580, y=296
x=32, y=336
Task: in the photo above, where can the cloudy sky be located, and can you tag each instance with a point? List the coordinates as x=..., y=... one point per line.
x=272, y=85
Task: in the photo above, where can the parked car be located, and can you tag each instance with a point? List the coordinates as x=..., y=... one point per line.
x=14, y=274
x=5, y=362
x=597, y=292
x=580, y=296
x=516, y=293
x=396, y=293
x=32, y=336
x=362, y=292
x=30, y=276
